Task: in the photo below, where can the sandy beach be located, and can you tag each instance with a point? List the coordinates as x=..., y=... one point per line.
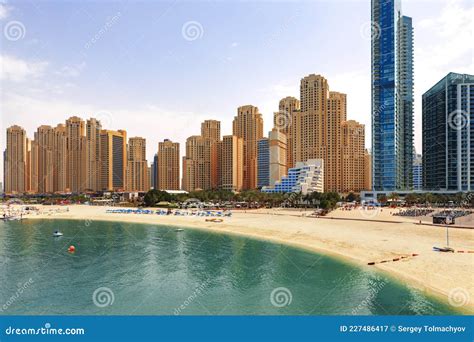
x=355, y=236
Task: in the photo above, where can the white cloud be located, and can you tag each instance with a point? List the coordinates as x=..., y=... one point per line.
x=71, y=70
x=18, y=70
x=4, y=11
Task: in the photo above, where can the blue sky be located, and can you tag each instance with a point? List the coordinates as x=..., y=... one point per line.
x=131, y=64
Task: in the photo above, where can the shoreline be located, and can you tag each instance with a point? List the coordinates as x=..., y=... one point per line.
x=436, y=274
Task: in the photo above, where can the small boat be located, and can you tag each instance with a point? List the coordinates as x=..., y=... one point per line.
x=179, y=230
x=443, y=249
x=57, y=233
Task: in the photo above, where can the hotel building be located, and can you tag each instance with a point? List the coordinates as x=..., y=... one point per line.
x=113, y=160
x=352, y=163
x=137, y=165
x=231, y=163
x=76, y=149
x=392, y=97
x=93, y=128
x=305, y=177
x=15, y=160
x=248, y=125
x=284, y=120
x=417, y=172
x=277, y=155
x=168, y=165
x=200, y=164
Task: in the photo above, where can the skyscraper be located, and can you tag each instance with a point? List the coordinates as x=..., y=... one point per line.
x=231, y=159
x=200, y=164
x=211, y=129
x=417, y=172
x=277, y=155
x=448, y=133
x=76, y=150
x=137, y=165
x=284, y=120
x=44, y=136
x=263, y=161
x=392, y=97
x=168, y=165
x=93, y=128
x=352, y=160
x=248, y=125
x=113, y=160
x=60, y=158
x=15, y=160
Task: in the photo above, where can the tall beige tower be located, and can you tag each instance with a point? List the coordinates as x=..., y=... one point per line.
x=113, y=159
x=137, y=165
x=248, y=125
x=76, y=150
x=314, y=93
x=211, y=129
x=60, y=158
x=277, y=152
x=15, y=160
x=93, y=128
x=34, y=165
x=284, y=120
x=168, y=165
x=353, y=156
x=231, y=163
x=332, y=140
x=44, y=136
x=200, y=164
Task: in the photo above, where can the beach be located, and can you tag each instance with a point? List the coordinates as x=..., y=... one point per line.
x=356, y=236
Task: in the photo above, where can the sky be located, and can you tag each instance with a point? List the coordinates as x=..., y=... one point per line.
x=159, y=68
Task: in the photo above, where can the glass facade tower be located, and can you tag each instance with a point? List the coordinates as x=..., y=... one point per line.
x=448, y=134
x=392, y=97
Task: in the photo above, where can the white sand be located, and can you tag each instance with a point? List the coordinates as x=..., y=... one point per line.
x=450, y=276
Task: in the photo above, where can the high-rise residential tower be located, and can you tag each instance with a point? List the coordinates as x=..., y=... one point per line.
x=200, y=163
x=352, y=162
x=137, y=165
x=211, y=129
x=284, y=120
x=263, y=161
x=231, y=160
x=15, y=160
x=76, y=150
x=168, y=165
x=448, y=133
x=277, y=155
x=93, y=128
x=248, y=125
x=45, y=137
x=392, y=97
x=113, y=160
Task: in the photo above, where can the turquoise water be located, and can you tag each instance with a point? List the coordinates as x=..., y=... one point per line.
x=138, y=269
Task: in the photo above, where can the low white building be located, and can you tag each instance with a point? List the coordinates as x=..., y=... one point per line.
x=305, y=177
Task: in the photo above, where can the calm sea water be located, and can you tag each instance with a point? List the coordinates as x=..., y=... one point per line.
x=138, y=269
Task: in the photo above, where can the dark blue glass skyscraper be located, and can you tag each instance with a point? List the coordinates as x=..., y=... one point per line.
x=392, y=97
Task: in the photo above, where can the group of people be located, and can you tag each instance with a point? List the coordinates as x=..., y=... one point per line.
x=414, y=212
x=177, y=212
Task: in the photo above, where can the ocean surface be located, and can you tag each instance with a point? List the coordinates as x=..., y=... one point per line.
x=142, y=269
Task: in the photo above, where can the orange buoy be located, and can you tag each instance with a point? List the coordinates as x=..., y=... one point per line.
x=71, y=249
